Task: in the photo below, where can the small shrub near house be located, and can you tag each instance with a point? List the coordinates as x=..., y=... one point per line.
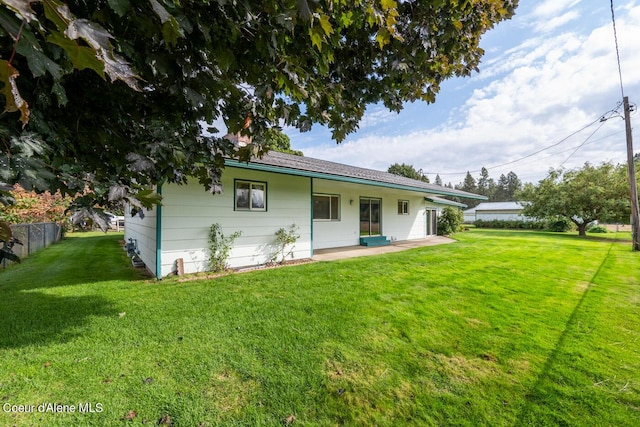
x=285, y=239
x=220, y=247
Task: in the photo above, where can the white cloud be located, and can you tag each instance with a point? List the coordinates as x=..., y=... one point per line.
x=376, y=116
x=546, y=26
x=551, y=8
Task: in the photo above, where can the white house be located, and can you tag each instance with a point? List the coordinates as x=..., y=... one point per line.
x=501, y=211
x=334, y=205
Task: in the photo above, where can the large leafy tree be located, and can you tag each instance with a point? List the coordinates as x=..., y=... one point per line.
x=277, y=140
x=581, y=196
x=109, y=95
x=408, y=171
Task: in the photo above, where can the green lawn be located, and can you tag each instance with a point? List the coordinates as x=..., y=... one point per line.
x=500, y=329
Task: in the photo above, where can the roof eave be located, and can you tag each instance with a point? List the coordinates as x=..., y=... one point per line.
x=446, y=202
x=311, y=174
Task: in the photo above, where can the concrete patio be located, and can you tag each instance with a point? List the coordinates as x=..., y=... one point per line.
x=333, y=254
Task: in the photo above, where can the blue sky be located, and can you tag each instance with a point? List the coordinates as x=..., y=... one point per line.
x=548, y=72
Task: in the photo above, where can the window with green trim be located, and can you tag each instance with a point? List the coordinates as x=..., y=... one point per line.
x=250, y=196
x=403, y=207
x=326, y=207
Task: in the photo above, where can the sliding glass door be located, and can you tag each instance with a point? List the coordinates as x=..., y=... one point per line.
x=370, y=214
x=432, y=222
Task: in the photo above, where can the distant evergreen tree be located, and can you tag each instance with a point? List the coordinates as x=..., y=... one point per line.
x=483, y=182
x=468, y=185
x=514, y=185
x=504, y=190
x=500, y=189
x=438, y=180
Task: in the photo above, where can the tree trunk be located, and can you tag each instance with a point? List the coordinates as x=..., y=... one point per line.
x=582, y=229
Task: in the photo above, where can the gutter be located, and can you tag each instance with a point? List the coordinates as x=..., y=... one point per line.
x=311, y=213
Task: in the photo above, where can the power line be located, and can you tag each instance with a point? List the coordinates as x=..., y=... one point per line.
x=615, y=38
x=574, y=148
x=583, y=143
x=602, y=118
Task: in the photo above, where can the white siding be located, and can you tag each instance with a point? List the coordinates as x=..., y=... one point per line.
x=143, y=231
x=346, y=232
x=469, y=216
x=188, y=212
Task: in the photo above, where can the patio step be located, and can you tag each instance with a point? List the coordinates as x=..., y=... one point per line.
x=374, y=241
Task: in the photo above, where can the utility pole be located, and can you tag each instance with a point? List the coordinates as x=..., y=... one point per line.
x=633, y=188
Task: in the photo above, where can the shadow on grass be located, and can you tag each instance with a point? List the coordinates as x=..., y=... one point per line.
x=78, y=259
x=536, y=396
x=37, y=318
x=34, y=312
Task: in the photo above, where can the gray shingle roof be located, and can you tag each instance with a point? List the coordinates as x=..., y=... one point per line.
x=307, y=166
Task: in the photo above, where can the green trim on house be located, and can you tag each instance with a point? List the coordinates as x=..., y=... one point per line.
x=311, y=212
x=299, y=172
x=159, y=236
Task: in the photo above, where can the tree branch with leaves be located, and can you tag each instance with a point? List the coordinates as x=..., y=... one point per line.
x=111, y=94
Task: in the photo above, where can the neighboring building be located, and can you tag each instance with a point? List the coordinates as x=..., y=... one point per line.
x=491, y=211
x=469, y=215
x=334, y=205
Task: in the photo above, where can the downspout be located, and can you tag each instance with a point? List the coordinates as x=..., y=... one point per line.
x=159, y=235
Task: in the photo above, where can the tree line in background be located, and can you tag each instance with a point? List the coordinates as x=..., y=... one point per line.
x=505, y=189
